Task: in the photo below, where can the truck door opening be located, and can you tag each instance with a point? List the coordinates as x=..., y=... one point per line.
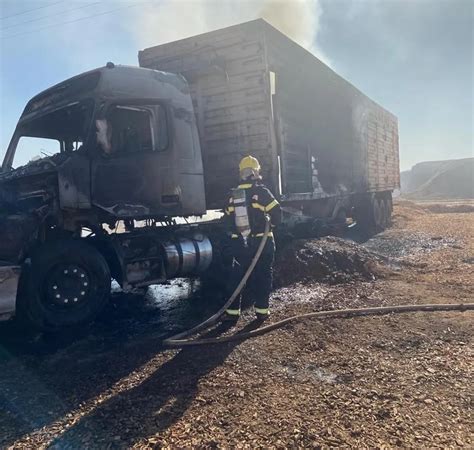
x=132, y=141
x=133, y=129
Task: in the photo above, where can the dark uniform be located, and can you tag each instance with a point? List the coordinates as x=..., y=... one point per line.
x=260, y=201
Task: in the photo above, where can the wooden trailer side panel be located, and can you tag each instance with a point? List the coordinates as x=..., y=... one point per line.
x=333, y=139
x=382, y=157
x=227, y=73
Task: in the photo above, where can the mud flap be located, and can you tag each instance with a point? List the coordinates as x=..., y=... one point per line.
x=9, y=276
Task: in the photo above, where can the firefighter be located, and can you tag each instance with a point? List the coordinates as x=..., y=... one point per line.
x=247, y=207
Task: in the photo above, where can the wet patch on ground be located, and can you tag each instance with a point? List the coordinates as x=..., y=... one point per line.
x=310, y=372
x=398, y=246
x=162, y=311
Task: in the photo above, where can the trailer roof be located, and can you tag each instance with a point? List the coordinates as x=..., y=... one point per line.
x=261, y=25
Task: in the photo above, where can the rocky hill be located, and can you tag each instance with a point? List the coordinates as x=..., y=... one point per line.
x=450, y=179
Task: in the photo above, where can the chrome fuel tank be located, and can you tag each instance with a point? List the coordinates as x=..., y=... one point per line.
x=187, y=256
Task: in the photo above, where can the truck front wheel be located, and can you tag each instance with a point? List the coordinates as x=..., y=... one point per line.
x=64, y=284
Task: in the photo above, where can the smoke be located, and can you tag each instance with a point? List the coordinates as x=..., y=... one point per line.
x=297, y=19
x=170, y=20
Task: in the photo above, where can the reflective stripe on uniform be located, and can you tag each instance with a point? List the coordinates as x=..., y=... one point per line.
x=271, y=205
x=258, y=206
x=262, y=311
x=244, y=186
x=262, y=234
x=229, y=209
x=233, y=312
x=236, y=236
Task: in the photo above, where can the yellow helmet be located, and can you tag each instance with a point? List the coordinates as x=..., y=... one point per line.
x=249, y=166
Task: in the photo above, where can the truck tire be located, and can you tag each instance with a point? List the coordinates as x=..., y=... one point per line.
x=66, y=284
x=365, y=216
x=381, y=214
x=378, y=208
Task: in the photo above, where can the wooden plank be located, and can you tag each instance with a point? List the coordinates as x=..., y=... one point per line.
x=187, y=45
x=210, y=82
x=228, y=100
x=243, y=144
x=229, y=131
x=237, y=113
x=223, y=57
x=235, y=110
x=252, y=81
x=225, y=37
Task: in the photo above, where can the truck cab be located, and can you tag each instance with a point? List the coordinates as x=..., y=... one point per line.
x=113, y=143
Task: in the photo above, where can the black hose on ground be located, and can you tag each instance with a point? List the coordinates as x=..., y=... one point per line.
x=338, y=313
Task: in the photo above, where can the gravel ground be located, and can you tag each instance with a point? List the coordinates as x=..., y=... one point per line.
x=392, y=381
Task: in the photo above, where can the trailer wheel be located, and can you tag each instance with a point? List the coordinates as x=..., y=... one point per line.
x=379, y=214
x=390, y=202
x=66, y=284
x=388, y=212
x=365, y=216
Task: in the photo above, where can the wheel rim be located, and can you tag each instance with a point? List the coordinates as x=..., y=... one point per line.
x=66, y=286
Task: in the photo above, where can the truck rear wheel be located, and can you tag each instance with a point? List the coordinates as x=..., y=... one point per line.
x=372, y=213
x=381, y=214
x=66, y=284
x=388, y=210
x=364, y=215
x=377, y=205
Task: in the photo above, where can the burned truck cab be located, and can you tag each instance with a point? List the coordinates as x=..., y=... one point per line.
x=114, y=143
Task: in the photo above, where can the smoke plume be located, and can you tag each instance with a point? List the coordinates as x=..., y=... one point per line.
x=170, y=20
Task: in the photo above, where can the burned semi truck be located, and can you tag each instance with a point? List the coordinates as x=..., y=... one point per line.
x=125, y=155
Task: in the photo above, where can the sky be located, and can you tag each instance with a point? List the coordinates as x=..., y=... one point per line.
x=414, y=57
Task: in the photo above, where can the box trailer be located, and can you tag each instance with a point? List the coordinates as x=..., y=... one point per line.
x=325, y=147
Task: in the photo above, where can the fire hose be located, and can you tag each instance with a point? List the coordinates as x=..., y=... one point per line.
x=178, y=340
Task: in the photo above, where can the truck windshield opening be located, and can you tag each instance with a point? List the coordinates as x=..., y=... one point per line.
x=60, y=131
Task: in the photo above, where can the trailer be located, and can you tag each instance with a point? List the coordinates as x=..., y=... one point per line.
x=327, y=150
x=127, y=154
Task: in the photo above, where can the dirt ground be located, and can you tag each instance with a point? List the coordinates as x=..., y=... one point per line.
x=392, y=381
